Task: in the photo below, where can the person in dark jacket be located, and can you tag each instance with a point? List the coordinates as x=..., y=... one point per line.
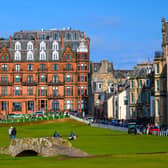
x=13, y=133
x=72, y=136
x=56, y=135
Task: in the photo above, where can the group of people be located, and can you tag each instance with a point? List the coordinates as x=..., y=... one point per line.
x=72, y=135
x=12, y=133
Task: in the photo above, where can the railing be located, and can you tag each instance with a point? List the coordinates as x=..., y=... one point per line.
x=17, y=71
x=26, y=83
x=5, y=83
x=3, y=95
x=42, y=70
x=54, y=96
x=55, y=83
x=66, y=69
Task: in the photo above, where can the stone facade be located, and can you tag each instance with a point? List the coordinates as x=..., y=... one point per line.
x=141, y=90
x=160, y=64
x=102, y=76
x=118, y=103
x=104, y=82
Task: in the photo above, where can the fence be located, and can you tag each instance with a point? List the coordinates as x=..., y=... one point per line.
x=40, y=118
x=161, y=133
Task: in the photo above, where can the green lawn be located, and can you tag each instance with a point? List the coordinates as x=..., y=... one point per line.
x=112, y=148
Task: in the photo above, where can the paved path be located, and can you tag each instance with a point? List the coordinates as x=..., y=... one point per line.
x=99, y=125
x=109, y=127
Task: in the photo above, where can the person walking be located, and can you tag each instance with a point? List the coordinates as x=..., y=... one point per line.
x=13, y=133
x=10, y=132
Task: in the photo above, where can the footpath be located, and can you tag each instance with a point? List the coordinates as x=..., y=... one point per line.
x=99, y=125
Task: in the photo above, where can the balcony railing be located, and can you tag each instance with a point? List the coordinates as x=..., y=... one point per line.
x=43, y=70
x=5, y=95
x=55, y=83
x=68, y=69
x=5, y=83
x=54, y=96
x=26, y=83
x=17, y=71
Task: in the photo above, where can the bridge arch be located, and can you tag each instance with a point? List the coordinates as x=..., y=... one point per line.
x=27, y=153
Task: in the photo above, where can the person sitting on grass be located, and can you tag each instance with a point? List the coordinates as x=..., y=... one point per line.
x=72, y=136
x=56, y=135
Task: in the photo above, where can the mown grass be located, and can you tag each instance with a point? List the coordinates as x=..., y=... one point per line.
x=112, y=148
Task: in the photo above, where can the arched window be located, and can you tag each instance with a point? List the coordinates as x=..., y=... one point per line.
x=55, y=46
x=17, y=56
x=55, y=55
x=55, y=105
x=29, y=45
x=17, y=45
x=42, y=45
x=42, y=56
x=30, y=56
x=68, y=36
x=18, y=37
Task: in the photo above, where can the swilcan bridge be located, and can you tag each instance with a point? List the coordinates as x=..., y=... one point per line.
x=46, y=146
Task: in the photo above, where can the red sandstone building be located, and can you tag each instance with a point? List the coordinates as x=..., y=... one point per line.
x=44, y=70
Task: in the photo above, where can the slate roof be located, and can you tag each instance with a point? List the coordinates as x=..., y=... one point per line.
x=25, y=36
x=118, y=74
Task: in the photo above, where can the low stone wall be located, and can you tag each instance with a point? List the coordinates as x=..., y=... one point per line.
x=47, y=146
x=79, y=119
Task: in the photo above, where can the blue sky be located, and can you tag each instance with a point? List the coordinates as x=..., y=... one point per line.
x=123, y=31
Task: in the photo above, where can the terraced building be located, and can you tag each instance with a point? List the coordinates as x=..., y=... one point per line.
x=44, y=70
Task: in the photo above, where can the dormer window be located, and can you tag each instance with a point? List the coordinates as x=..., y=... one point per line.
x=42, y=45
x=55, y=55
x=17, y=45
x=42, y=56
x=55, y=46
x=29, y=55
x=29, y=45
x=17, y=56
x=68, y=36
x=43, y=37
x=75, y=36
x=55, y=36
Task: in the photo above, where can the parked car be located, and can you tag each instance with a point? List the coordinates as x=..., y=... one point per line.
x=38, y=113
x=132, y=128
x=75, y=113
x=66, y=113
x=153, y=129
x=52, y=113
x=90, y=119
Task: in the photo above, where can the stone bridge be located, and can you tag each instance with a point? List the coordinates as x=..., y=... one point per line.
x=47, y=146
